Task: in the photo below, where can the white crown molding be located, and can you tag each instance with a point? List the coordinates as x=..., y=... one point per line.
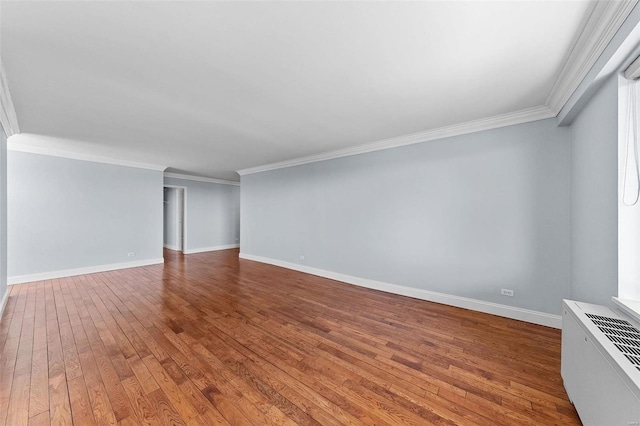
x=215, y=248
x=8, y=117
x=503, y=120
x=506, y=311
x=21, y=279
x=605, y=20
x=13, y=145
x=200, y=179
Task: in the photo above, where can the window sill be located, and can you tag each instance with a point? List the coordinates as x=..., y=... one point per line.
x=629, y=307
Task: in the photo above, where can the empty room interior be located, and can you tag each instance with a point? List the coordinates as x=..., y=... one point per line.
x=320, y=213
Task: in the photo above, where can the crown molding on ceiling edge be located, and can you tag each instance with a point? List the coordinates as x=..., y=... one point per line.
x=200, y=179
x=8, y=117
x=12, y=145
x=503, y=120
x=604, y=21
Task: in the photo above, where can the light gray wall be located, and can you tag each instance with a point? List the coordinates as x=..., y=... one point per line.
x=464, y=216
x=170, y=217
x=3, y=217
x=68, y=214
x=594, y=206
x=213, y=213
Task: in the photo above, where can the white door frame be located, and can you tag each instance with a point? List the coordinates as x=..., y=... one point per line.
x=184, y=214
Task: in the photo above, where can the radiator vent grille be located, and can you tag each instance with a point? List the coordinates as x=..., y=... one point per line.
x=623, y=341
x=624, y=336
x=607, y=319
x=631, y=329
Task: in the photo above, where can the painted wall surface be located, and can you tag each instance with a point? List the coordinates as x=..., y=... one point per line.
x=171, y=218
x=213, y=213
x=465, y=216
x=3, y=217
x=67, y=214
x=594, y=205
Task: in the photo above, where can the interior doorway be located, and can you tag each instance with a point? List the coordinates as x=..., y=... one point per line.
x=174, y=216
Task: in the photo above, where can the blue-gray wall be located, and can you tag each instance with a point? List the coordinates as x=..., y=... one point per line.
x=594, y=192
x=464, y=216
x=3, y=217
x=69, y=214
x=213, y=213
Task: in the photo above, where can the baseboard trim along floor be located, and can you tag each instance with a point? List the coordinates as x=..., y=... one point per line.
x=506, y=311
x=21, y=279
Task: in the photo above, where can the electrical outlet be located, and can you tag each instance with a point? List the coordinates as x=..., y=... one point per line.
x=301, y=257
x=506, y=292
x=131, y=254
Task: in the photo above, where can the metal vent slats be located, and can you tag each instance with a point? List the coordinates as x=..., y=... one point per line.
x=624, y=341
x=628, y=350
x=608, y=319
x=634, y=359
x=617, y=326
x=623, y=334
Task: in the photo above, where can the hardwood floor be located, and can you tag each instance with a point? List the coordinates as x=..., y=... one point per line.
x=211, y=339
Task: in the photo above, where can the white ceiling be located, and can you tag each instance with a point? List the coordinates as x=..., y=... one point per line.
x=208, y=88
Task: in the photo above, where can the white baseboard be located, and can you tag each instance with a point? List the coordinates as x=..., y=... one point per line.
x=521, y=314
x=215, y=248
x=170, y=247
x=20, y=279
x=3, y=303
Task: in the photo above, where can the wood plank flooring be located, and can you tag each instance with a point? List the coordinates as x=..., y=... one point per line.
x=211, y=339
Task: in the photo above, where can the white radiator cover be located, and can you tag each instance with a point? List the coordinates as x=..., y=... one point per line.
x=602, y=382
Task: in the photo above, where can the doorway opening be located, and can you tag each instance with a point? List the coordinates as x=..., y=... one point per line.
x=174, y=217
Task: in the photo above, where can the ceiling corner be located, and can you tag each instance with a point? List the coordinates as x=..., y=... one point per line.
x=603, y=22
